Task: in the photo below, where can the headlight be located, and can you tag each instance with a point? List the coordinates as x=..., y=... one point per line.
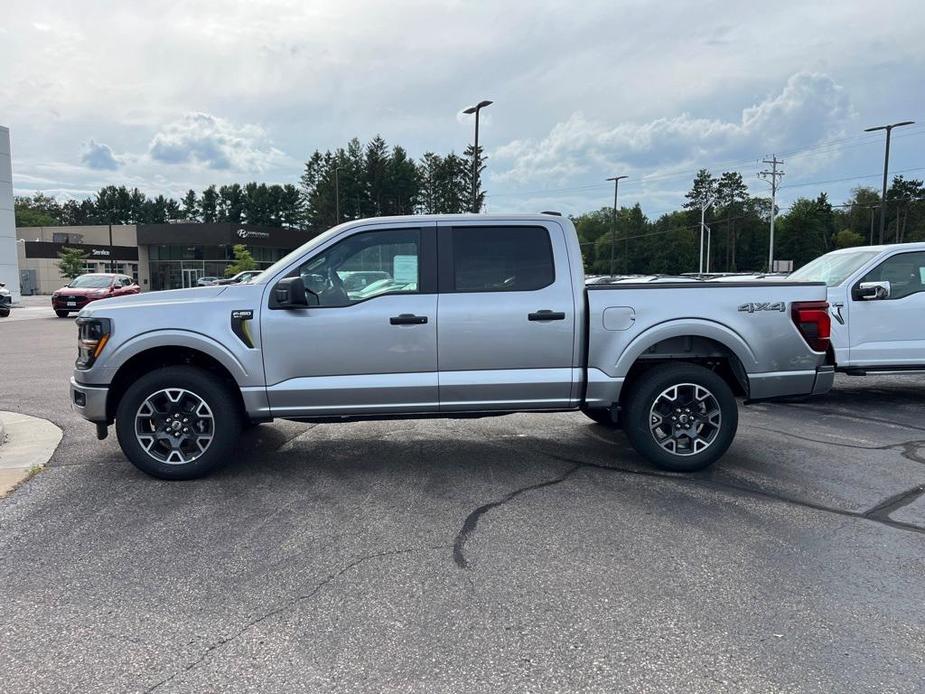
x=92, y=336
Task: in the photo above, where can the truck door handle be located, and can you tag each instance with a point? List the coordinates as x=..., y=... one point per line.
x=407, y=319
x=546, y=314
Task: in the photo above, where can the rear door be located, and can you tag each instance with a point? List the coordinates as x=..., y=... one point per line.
x=506, y=326
x=890, y=331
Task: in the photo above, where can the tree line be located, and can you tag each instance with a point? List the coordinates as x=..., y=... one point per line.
x=370, y=180
x=351, y=182
x=739, y=228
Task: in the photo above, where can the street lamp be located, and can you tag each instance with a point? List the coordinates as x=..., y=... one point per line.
x=475, y=154
x=886, y=165
x=613, y=224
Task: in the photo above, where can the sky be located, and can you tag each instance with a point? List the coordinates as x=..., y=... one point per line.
x=168, y=96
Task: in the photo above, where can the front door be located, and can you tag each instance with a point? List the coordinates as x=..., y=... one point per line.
x=507, y=317
x=890, y=331
x=370, y=344
x=191, y=276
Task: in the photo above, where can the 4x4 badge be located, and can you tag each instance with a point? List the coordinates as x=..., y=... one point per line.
x=764, y=306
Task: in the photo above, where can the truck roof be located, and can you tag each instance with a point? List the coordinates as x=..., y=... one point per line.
x=911, y=246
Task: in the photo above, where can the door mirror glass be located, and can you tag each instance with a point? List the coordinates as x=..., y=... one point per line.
x=873, y=291
x=290, y=292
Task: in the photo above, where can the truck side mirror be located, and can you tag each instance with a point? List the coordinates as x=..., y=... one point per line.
x=873, y=291
x=290, y=292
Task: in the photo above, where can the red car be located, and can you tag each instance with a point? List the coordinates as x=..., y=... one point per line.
x=90, y=287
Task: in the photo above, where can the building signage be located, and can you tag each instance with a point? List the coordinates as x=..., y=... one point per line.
x=47, y=249
x=250, y=234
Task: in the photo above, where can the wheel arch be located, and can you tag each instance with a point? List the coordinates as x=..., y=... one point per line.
x=699, y=342
x=159, y=356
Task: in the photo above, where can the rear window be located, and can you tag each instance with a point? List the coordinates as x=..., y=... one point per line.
x=502, y=259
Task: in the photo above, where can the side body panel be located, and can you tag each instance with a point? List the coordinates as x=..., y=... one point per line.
x=770, y=349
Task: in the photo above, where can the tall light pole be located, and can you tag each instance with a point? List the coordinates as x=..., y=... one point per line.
x=475, y=154
x=886, y=166
x=613, y=222
x=704, y=206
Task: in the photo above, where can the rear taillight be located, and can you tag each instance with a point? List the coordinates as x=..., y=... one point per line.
x=813, y=322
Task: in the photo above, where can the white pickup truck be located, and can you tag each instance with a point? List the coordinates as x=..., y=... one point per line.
x=877, y=302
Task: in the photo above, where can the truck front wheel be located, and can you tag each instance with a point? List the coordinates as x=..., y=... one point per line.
x=681, y=417
x=178, y=423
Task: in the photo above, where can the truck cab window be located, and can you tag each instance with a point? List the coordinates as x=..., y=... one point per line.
x=499, y=259
x=364, y=266
x=905, y=273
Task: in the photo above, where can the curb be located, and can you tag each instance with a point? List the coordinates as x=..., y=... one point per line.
x=30, y=443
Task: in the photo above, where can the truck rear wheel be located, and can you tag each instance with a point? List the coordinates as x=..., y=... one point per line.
x=681, y=417
x=178, y=423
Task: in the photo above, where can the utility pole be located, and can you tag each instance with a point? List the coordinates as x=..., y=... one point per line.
x=337, y=194
x=704, y=206
x=774, y=175
x=613, y=224
x=112, y=256
x=886, y=166
x=475, y=154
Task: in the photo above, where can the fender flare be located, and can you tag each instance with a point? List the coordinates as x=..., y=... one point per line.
x=176, y=338
x=686, y=327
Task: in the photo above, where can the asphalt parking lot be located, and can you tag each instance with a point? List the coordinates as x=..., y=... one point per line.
x=520, y=553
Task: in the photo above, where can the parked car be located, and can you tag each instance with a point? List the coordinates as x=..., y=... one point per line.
x=357, y=280
x=206, y=281
x=877, y=299
x=6, y=300
x=238, y=278
x=481, y=315
x=91, y=287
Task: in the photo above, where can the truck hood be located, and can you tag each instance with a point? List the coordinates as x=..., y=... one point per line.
x=165, y=298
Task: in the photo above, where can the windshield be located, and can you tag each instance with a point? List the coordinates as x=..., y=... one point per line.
x=91, y=282
x=295, y=255
x=833, y=268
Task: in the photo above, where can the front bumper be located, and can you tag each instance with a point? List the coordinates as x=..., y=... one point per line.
x=89, y=401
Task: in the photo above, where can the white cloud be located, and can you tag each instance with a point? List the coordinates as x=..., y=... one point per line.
x=809, y=108
x=200, y=138
x=97, y=155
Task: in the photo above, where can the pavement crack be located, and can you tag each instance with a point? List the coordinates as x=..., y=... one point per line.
x=882, y=511
x=223, y=641
x=866, y=418
x=908, y=449
x=472, y=520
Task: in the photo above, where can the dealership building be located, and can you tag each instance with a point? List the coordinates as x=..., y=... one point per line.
x=157, y=256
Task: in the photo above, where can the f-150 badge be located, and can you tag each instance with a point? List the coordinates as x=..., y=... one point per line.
x=764, y=306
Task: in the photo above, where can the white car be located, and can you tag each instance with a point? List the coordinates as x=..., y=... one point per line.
x=877, y=304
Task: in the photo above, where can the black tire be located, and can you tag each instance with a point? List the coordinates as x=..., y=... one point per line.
x=224, y=426
x=651, y=387
x=62, y=314
x=4, y=313
x=601, y=415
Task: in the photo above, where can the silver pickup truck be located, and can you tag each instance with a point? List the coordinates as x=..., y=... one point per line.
x=443, y=316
